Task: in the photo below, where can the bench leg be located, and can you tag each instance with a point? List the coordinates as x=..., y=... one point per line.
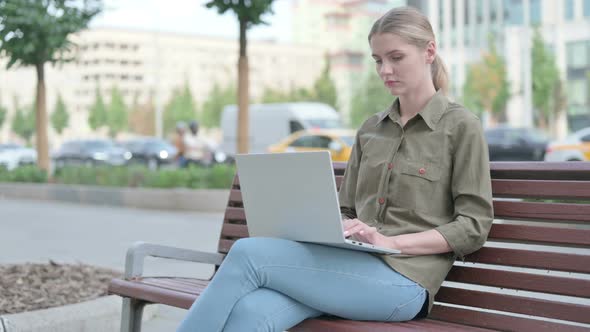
x=131, y=315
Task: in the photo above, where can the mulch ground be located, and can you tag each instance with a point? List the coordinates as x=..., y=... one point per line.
x=27, y=287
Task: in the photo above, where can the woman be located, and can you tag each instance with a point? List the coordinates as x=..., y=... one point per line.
x=418, y=180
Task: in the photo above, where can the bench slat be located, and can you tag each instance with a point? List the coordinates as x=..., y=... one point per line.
x=532, y=259
x=322, y=324
x=547, y=235
x=516, y=304
x=547, y=189
x=541, y=211
x=498, y=321
x=225, y=245
x=521, y=281
x=235, y=213
x=234, y=230
x=541, y=170
x=153, y=294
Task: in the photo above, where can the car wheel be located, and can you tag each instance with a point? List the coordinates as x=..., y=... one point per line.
x=152, y=164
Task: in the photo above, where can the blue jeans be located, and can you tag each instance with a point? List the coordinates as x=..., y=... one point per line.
x=267, y=284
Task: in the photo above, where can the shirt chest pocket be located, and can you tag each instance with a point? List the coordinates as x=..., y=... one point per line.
x=416, y=185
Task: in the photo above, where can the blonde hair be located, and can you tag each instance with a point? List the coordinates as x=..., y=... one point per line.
x=413, y=26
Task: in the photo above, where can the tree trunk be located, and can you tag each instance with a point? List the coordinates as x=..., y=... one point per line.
x=243, y=94
x=41, y=120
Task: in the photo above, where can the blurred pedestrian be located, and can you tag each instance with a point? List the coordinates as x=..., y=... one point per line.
x=197, y=149
x=179, y=143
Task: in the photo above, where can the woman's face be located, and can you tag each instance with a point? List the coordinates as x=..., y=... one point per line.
x=403, y=67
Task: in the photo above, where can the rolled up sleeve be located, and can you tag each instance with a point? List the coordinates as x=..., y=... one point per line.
x=347, y=193
x=471, y=190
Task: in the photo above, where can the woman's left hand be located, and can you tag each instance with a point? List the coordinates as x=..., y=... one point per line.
x=365, y=233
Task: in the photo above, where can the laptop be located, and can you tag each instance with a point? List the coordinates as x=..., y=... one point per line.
x=307, y=212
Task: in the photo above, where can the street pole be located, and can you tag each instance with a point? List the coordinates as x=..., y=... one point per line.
x=527, y=120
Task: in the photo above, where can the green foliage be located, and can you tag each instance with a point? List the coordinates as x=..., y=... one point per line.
x=3, y=112
x=545, y=76
x=36, y=32
x=181, y=107
x=324, y=88
x=371, y=97
x=98, y=112
x=23, y=123
x=218, y=176
x=60, y=117
x=213, y=106
x=249, y=11
x=23, y=174
x=486, y=85
x=116, y=113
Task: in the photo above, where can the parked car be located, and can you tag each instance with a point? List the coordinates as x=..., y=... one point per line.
x=14, y=155
x=516, y=144
x=90, y=152
x=153, y=152
x=575, y=147
x=338, y=141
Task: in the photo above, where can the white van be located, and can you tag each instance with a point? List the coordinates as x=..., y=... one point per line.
x=269, y=123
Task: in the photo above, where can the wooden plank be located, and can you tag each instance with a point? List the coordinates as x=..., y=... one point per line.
x=533, y=259
x=541, y=234
x=234, y=230
x=520, y=281
x=235, y=213
x=322, y=324
x=235, y=196
x=541, y=170
x=151, y=294
x=541, y=211
x=224, y=245
x=546, y=189
x=517, y=304
x=498, y=321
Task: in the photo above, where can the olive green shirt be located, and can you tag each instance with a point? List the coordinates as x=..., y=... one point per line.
x=432, y=173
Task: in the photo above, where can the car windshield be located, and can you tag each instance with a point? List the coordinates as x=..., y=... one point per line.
x=5, y=147
x=536, y=135
x=324, y=123
x=99, y=145
x=159, y=145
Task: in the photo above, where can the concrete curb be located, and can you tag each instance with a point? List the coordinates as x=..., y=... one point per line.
x=98, y=315
x=178, y=199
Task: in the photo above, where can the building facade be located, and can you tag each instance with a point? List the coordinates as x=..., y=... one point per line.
x=144, y=64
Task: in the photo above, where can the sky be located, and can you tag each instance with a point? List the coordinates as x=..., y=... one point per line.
x=192, y=17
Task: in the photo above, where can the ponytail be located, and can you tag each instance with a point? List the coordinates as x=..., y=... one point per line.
x=440, y=77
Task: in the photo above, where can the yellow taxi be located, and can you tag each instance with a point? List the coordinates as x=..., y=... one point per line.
x=575, y=147
x=338, y=141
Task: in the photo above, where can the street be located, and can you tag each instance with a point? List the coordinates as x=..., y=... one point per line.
x=36, y=231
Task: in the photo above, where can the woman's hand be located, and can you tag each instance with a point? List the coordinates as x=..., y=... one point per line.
x=366, y=233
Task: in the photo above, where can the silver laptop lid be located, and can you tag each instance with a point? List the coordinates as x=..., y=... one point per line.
x=291, y=196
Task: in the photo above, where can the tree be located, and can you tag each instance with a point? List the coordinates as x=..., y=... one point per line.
x=486, y=85
x=23, y=122
x=141, y=118
x=116, y=113
x=60, y=117
x=3, y=113
x=324, y=88
x=212, y=107
x=97, y=116
x=249, y=14
x=371, y=97
x=545, y=76
x=181, y=107
x=33, y=33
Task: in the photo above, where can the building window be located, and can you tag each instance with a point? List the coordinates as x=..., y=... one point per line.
x=577, y=55
x=577, y=92
x=535, y=11
x=569, y=10
x=586, y=8
x=515, y=11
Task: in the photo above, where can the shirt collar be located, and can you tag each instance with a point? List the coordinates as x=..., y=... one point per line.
x=431, y=113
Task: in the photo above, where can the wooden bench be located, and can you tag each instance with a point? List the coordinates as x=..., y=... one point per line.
x=533, y=274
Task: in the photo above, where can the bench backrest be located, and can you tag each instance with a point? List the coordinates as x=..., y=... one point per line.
x=536, y=261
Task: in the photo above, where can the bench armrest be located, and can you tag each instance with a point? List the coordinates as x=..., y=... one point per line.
x=139, y=250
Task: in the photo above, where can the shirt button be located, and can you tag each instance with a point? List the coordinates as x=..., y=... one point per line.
x=422, y=170
x=390, y=166
x=381, y=200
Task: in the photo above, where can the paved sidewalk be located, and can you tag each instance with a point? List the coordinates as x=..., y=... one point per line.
x=36, y=231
